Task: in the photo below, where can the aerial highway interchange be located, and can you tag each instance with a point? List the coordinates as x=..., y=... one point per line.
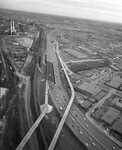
x=78, y=123
x=66, y=83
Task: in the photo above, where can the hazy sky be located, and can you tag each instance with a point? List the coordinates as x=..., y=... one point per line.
x=108, y=10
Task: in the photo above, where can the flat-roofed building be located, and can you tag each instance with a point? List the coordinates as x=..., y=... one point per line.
x=86, y=104
x=115, y=100
x=110, y=115
x=92, y=89
x=117, y=126
x=119, y=104
x=119, y=93
x=100, y=95
x=92, y=100
x=115, y=82
x=99, y=113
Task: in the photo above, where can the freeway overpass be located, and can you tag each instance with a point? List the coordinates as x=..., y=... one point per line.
x=58, y=131
x=82, y=127
x=79, y=124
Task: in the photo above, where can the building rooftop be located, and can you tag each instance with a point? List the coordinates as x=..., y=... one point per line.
x=114, y=82
x=86, y=104
x=100, y=95
x=99, y=113
x=117, y=126
x=110, y=115
x=116, y=99
x=90, y=88
x=92, y=100
x=119, y=103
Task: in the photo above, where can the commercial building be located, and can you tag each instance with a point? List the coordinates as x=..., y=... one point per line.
x=119, y=66
x=99, y=112
x=115, y=100
x=92, y=89
x=117, y=126
x=115, y=82
x=92, y=100
x=119, y=104
x=100, y=95
x=85, y=104
x=110, y=115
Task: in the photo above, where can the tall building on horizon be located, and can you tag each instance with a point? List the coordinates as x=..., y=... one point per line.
x=13, y=30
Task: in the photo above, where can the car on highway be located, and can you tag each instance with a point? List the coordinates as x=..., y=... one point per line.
x=60, y=108
x=81, y=132
x=93, y=144
x=84, y=118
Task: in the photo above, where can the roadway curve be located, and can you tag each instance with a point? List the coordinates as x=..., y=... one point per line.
x=37, y=122
x=59, y=129
x=36, y=98
x=84, y=130
x=101, y=140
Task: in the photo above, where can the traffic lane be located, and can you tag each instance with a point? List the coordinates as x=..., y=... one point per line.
x=61, y=106
x=51, y=57
x=56, y=100
x=41, y=92
x=82, y=134
x=112, y=142
x=74, y=126
x=39, y=86
x=95, y=133
x=50, y=72
x=60, y=101
x=95, y=142
x=60, y=95
x=58, y=81
x=78, y=132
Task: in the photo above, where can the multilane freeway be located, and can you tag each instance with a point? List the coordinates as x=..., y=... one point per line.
x=81, y=126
